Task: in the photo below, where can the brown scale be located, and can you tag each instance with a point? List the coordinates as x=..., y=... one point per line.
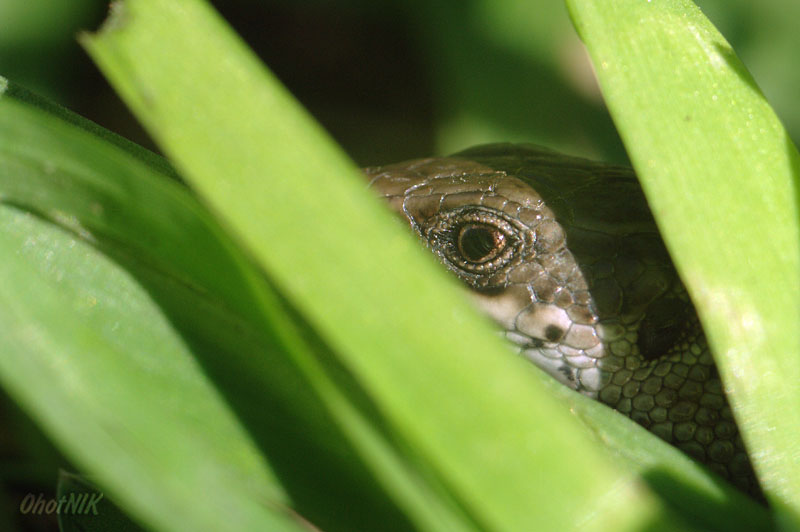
x=564, y=254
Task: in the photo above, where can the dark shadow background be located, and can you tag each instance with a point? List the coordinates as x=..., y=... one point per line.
x=394, y=79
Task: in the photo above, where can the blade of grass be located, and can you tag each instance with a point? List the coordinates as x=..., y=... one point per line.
x=69, y=320
x=721, y=176
x=700, y=498
x=118, y=198
x=475, y=423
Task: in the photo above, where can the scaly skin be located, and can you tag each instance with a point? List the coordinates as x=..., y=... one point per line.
x=563, y=253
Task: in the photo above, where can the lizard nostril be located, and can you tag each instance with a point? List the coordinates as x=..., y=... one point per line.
x=553, y=333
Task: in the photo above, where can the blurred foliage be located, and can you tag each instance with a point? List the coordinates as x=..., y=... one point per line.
x=394, y=79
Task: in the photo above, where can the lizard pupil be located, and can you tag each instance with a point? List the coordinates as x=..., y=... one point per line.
x=480, y=243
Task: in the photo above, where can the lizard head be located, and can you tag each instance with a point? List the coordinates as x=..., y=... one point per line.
x=564, y=255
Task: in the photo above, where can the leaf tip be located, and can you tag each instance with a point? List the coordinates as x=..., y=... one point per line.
x=118, y=18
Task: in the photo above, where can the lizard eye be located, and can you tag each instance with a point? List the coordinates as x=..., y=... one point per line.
x=477, y=241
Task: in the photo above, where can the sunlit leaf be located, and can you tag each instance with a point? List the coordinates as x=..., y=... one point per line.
x=721, y=176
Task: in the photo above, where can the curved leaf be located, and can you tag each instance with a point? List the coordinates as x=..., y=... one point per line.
x=721, y=176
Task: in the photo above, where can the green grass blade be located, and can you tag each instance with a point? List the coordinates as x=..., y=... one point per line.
x=722, y=178
x=469, y=421
x=79, y=337
x=118, y=198
x=697, y=496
